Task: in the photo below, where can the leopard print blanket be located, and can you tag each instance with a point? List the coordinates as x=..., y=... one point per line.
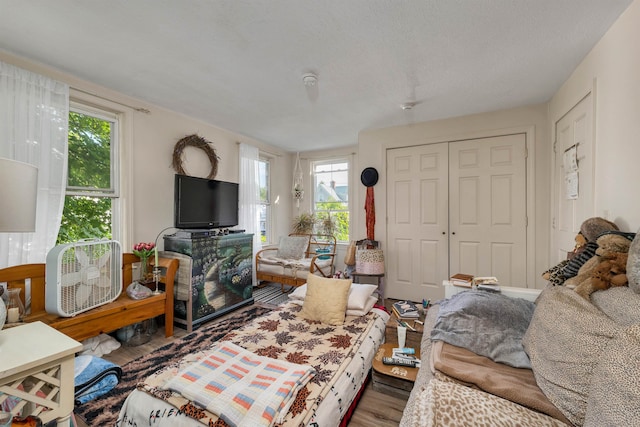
x=446, y=403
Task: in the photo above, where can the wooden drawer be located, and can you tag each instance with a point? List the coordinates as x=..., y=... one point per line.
x=414, y=338
x=389, y=385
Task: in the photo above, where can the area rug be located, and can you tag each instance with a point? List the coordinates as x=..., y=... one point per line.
x=270, y=293
x=104, y=410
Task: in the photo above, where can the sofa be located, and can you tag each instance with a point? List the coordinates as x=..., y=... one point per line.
x=553, y=360
x=295, y=257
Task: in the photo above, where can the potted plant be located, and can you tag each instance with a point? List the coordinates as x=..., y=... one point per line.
x=326, y=225
x=303, y=223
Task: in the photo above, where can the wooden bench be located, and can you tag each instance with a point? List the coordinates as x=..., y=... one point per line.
x=107, y=318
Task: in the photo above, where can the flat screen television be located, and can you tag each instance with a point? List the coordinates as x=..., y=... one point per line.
x=204, y=203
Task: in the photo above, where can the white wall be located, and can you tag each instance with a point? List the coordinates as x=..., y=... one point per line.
x=612, y=68
x=147, y=187
x=372, y=146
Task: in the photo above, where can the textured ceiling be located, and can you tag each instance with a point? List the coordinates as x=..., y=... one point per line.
x=239, y=64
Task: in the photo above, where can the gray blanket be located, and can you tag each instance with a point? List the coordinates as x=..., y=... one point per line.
x=486, y=323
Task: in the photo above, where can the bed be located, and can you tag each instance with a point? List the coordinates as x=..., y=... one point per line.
x=582, y=353
x=339, y=354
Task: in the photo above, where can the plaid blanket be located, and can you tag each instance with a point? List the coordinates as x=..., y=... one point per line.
x=242, y=387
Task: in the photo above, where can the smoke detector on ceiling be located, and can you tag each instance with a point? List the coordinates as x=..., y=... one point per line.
x=309, y=79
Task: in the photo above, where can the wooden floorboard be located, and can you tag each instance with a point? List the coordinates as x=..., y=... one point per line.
x=374, y=409
x=377, y=409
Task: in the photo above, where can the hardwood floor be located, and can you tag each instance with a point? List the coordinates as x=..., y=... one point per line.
x=374, y=409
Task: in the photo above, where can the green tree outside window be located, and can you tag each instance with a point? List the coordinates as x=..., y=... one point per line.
x=87, y=210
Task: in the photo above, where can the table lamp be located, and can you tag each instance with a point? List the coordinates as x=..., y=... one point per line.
x=18, y=193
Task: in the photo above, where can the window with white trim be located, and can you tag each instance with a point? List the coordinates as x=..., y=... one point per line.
x=92, y=198
x=331, y=197
x=264, y=204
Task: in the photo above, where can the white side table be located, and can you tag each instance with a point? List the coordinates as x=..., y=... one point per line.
x=36, y=365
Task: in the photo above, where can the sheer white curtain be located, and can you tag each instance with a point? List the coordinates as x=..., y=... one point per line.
x=34, y=114
x=249, y=195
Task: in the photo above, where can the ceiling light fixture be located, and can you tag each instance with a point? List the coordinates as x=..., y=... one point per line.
x=408, y=105
x=309, y=79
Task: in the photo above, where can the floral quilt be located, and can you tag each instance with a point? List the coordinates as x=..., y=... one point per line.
x=284, y=335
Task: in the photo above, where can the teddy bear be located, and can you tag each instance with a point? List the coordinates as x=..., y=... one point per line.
x=609, y=273
x=584, y=249
x=606, y=268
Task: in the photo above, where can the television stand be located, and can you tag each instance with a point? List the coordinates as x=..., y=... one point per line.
x=220, y=278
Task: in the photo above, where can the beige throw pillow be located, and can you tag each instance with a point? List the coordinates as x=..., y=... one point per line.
x=358, y=299
x=326, y=299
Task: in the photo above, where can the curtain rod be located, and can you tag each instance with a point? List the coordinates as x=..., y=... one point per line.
x=138, y=109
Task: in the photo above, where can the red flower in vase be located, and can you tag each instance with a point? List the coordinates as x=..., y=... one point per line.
x=144, y=250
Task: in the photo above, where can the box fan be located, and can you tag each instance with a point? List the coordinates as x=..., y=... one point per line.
x=82, y=275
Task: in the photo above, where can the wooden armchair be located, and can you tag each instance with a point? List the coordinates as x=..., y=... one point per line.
x=316, y=257
x=106, y=318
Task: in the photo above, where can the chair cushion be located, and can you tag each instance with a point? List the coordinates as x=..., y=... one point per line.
x=292, y=247
x=326, y=299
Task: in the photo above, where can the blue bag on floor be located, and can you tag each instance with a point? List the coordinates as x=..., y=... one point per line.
x=94, y=377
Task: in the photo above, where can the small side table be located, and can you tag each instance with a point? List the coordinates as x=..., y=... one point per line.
x=379, y=278
x=414, y=337
x=37, y=367
x=392, y=379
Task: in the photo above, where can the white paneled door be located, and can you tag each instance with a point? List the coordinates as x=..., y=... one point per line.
x=487, y=208
x=456, y=207
x=417, y=221
x=573, y=132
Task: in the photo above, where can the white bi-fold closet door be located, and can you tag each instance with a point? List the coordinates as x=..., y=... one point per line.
x=456, y=207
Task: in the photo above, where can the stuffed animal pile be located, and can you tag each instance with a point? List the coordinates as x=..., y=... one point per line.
x=584, y=249
x=598, y=262
x=607, y=268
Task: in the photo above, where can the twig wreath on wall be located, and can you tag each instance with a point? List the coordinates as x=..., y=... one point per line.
x=197, y=142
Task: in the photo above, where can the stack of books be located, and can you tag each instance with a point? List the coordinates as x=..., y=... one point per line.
x=461, y=279
x=405, y=310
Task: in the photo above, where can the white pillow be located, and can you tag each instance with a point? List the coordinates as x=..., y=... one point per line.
x=359, y=295
x=299, y=293
x=367, y=308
